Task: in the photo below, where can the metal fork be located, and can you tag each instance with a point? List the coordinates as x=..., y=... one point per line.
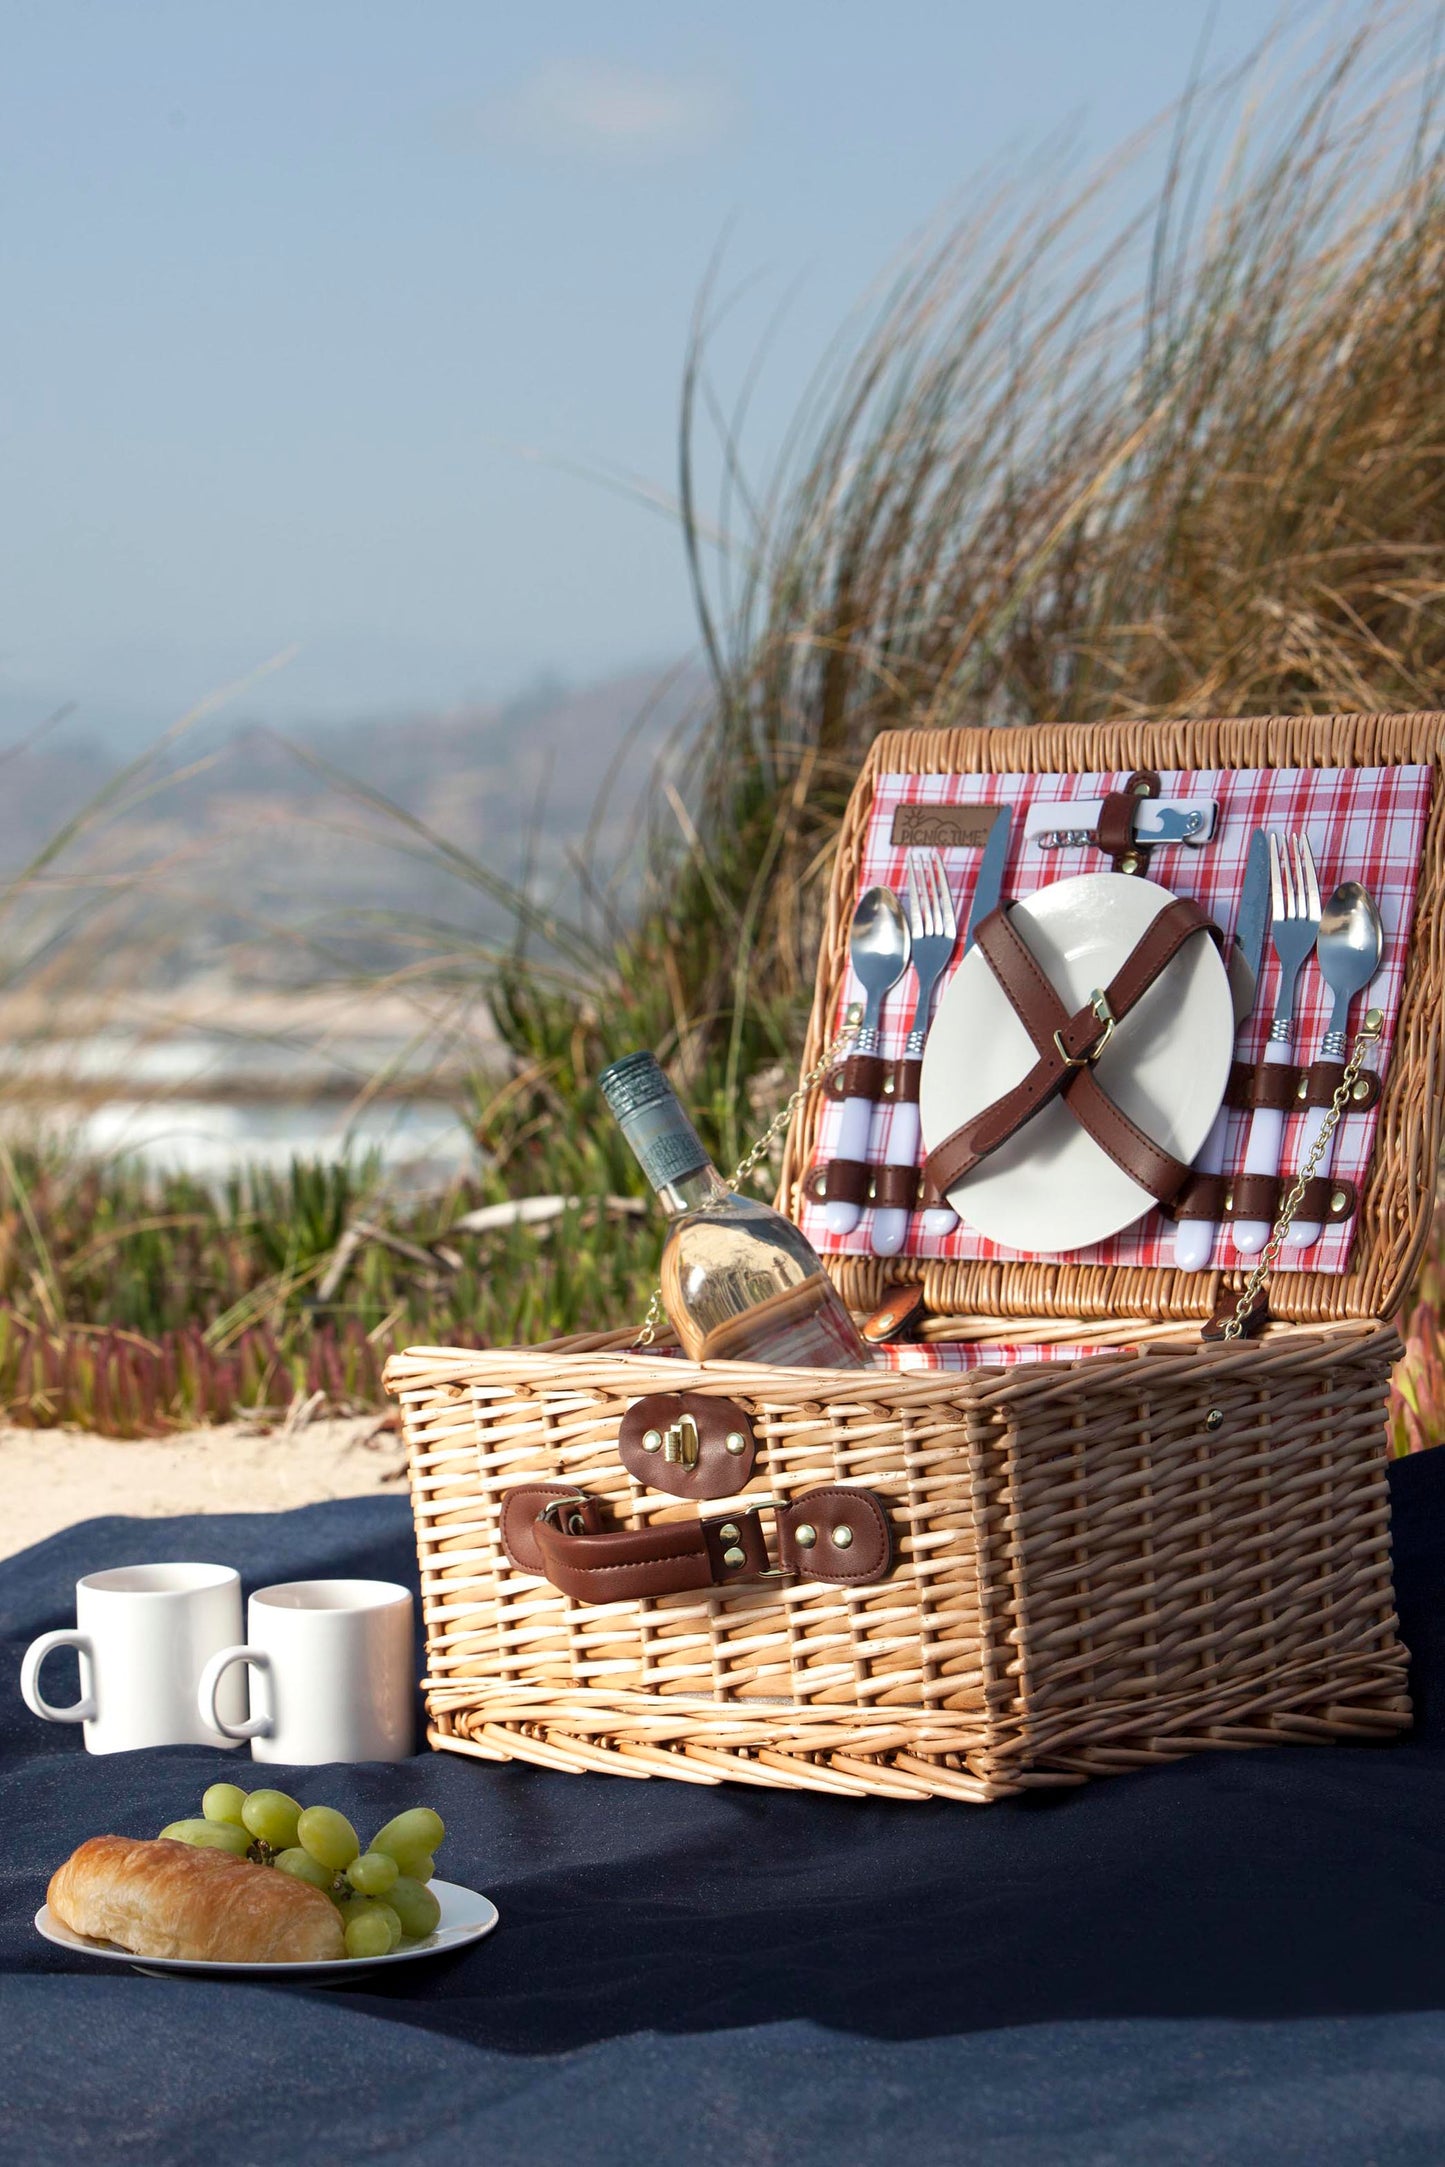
x=1294, y=893
x=933, y=923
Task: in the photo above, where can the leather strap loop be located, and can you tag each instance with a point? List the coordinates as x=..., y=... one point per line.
x=846, y=1181
x=896, y=1188
x=1289, y=1089
x=558, y=1534
x=1066, y=1045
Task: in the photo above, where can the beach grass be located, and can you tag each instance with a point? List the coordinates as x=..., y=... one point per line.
x=1165, y=438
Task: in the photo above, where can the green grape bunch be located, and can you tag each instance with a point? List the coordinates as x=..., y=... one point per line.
x=381, y=1892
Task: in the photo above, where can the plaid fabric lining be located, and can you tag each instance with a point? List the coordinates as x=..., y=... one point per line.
x=908, y=1354
x=1365, y=824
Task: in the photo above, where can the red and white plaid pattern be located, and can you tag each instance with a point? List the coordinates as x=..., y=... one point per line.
x=911, y=1354
x=1365, y=824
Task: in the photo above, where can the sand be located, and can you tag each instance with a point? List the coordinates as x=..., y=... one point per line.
x=53, y=1477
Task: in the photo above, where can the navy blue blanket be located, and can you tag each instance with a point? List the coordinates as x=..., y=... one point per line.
x=1237, y=1958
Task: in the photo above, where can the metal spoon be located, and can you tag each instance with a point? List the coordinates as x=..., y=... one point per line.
x=878, y=948
x=1351, y=942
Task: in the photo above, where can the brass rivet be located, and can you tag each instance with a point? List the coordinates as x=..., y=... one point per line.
x=1360, y=1091
x=735, y=1441
x=1129, y=863
x=888, y=1087
x=804, y=1535
x=1141, y=788
x=1214, y=1420
x=872, y=1189
x=1374, y=1020
x=734, y=1558
x=1339, y=1198
x=1302, y=1088
x=1229, y=1200
x=728, y=1532
x=652, y=1440
x=841, y=1537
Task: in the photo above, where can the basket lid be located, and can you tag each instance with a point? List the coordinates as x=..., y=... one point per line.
x=1398, y=1192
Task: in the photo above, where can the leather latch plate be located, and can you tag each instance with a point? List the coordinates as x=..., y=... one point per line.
x=690, y=1444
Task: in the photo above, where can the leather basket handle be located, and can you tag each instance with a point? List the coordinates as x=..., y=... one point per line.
x=832, y=1534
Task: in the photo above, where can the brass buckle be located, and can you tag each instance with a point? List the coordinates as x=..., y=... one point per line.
x=1099, y=1002
x=551, y=1512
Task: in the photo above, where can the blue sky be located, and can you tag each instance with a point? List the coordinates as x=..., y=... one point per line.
x=313, y=309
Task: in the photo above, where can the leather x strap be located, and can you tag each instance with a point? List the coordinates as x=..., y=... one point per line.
x=1067, y=1047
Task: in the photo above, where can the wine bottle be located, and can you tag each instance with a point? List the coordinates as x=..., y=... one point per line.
x=739, y=1282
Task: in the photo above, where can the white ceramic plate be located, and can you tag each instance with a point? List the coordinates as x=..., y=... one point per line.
x=466, y=1916
x=1051, y=1187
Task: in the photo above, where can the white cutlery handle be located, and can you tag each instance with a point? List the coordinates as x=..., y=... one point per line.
x=1304, y=1233
x=1194, y=1238
x=890, y=1226
x=1261, y=1154
x=854, y=1130
x=939, y=1219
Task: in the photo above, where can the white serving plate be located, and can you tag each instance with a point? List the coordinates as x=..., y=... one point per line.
x=466, y=1916
x=1050, y=1187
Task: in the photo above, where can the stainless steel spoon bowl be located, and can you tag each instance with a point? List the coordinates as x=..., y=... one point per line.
x=878, y=947
x=1351, y=942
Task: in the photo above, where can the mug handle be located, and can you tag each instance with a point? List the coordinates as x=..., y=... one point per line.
x=211, y=1676
x=83, y=1710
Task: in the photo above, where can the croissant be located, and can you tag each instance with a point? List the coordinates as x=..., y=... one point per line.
x=170, y=1899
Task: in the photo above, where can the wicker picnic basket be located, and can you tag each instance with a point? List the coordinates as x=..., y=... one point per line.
x=1096, y=1564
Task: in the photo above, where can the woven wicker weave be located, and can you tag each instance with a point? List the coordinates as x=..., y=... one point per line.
x=1097, y=1564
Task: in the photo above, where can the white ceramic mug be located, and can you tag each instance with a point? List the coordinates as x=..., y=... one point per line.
x=332, y=1671
x=144, y=1634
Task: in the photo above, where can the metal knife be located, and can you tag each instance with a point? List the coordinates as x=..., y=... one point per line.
x=989, y=886
x=1194, y=1239
x=987, y=889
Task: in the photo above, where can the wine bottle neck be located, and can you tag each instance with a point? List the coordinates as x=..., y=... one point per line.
x=690, y=1192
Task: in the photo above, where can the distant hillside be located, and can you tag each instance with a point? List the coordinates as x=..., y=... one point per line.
x=245, y=842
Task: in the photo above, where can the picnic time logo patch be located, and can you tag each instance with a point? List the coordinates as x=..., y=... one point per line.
x=942, y=827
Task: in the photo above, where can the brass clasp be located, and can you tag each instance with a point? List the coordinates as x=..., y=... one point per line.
x=679, y=1442
x=1099, y=1002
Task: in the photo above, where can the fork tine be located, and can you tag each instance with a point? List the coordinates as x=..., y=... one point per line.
x=947, y=915
x=1276, y=889
x=915, y=910
x=1311, y=878
x=930, y=898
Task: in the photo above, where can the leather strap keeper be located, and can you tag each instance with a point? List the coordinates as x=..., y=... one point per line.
x=896, y=1188
x=869, y=1076
x=559, y=1535
x=842, y=1181
x=1222, y=1197
x=1264, y=1083
x=860, y=1077
x=853, y=1181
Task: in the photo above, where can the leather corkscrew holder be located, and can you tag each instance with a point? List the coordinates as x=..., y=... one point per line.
x=1114, y=831
x=830, y=1534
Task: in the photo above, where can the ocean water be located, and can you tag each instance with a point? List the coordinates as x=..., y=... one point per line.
x=205, y=1102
